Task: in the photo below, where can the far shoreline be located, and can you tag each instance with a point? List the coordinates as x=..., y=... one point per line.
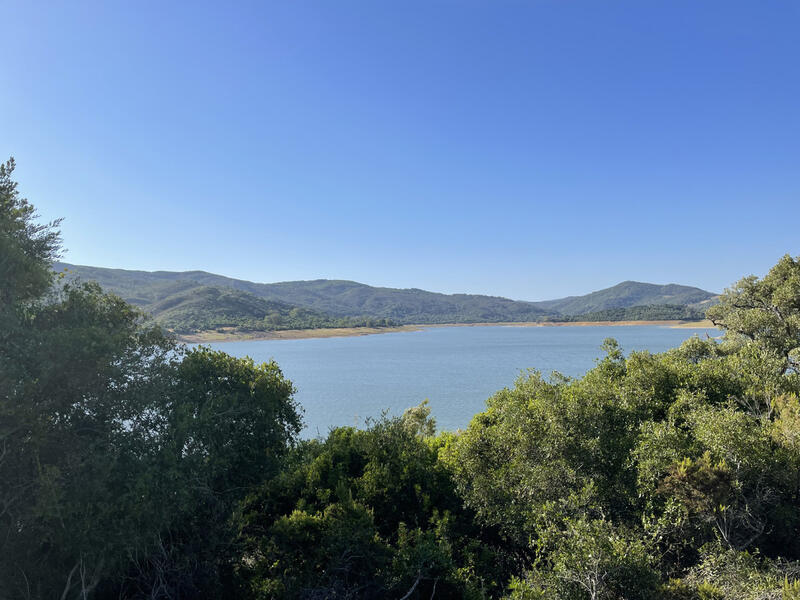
x=204, y=337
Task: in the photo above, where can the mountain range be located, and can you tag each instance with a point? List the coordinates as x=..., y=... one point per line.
x=196, y=300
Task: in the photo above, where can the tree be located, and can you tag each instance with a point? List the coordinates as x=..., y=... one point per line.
x=26, y=247
x=588, y=558
x=766, y=311
x=77, y=445
x=122, y=455
x=367, y=513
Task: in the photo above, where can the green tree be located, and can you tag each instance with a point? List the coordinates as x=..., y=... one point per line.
x=588, y=558
x=122, y=455
x=26, y=247
x=367, y=513
x=545, y=440
x=766, y=311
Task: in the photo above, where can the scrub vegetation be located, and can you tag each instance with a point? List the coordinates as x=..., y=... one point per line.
x=133, y=467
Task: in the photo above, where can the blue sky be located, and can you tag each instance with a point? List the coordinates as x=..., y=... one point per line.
x=528, y=149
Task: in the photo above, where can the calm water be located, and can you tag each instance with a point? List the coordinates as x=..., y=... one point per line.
x=342, y=381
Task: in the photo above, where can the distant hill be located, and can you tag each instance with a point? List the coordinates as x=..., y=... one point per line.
x=197, y=300
x=186, y=305
x=627, y=294
x=333, y=298
x=200, y=308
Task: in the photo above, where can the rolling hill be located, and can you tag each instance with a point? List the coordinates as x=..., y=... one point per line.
x=197, y=300
x=628, y=294
x=199, y=308
x=341, y=301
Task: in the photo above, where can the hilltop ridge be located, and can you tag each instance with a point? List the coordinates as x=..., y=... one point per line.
x=627, y=294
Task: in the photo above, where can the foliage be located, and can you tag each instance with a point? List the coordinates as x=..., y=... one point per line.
x=589, y=558
x=131, y=467
x=26, y=247
x=766, y=311
x=122, y=455
x=365, y=513
x=692, y=447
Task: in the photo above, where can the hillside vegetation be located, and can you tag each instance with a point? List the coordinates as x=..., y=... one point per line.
x=202, y=308
x=196, y=300
x=626, y=294
x=649, y=312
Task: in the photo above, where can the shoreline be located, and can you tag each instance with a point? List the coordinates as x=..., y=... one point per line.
x=202, y=337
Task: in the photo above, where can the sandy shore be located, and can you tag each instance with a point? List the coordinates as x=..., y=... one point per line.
x=705, y=324
x=203, y=337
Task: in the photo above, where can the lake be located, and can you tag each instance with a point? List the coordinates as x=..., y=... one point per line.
x=342, y=381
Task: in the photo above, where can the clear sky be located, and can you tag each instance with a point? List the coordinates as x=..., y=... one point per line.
x=531, y=149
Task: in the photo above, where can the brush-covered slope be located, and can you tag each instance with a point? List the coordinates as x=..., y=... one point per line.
x=627, y=294
x=200, y=308
x=185, y=305
x=196, y=300
x=649, y=312
x=336, y=298
x=348, y=298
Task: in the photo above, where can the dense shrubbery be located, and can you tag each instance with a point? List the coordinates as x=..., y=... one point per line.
x=370, y=514
x=133, y=468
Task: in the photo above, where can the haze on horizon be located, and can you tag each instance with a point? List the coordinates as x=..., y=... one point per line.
x=527, y=150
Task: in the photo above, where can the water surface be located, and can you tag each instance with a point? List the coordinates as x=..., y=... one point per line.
x=342, y=381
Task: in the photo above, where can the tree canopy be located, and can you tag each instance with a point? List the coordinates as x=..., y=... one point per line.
x=123, y=456
x=766, y=311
